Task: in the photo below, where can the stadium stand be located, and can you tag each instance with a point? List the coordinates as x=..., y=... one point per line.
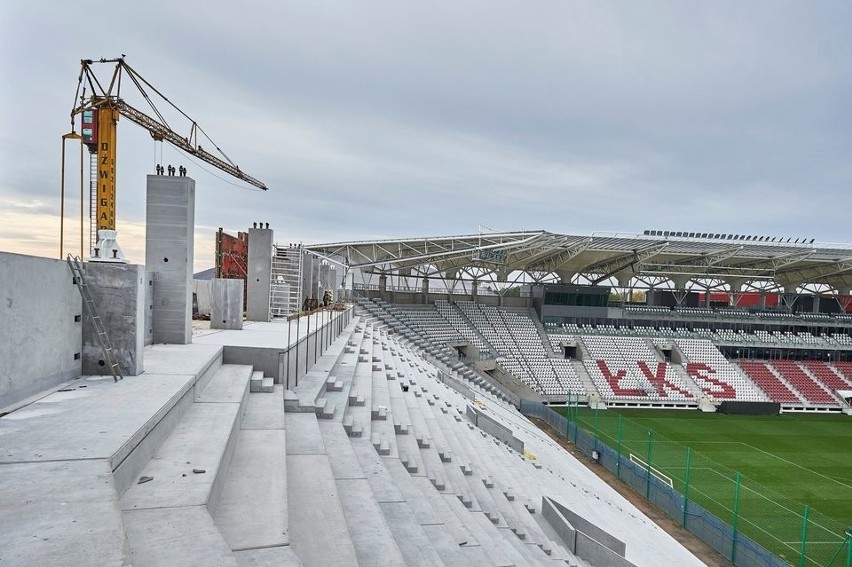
x=712, y=372
x=770, y=382
x=626, y=368
x=628, y=364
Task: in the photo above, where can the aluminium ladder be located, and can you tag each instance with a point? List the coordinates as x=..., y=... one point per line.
x=76, y=267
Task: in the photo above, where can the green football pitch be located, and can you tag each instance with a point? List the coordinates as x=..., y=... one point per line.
x=785, y=462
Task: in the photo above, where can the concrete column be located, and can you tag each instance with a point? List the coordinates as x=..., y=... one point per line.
x=169, y=241
x=118, y=291
x=474, y=288
x=425, y=287
x=226, y=304
x=383, y=283
x=259, y=280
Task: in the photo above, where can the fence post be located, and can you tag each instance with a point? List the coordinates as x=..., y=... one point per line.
x=686, y=484
x=804, y=536
x=849, y=546
x=735, y=518
x=597, y=409
x=618, y=461
x=576, y=419
x=648, y=465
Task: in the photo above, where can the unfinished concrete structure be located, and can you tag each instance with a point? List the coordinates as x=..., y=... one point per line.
x=169, y=241
x=370, y=460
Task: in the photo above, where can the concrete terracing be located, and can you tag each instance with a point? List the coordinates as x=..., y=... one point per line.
x=183, y=466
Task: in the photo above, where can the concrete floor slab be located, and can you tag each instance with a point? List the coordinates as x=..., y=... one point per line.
x=268, y=557
x=318, y=529
x=265, y=411
x=65, y=510
x=183, y=536
x=252, y=512
x=303, y=434
x=198, y=442
x=104, y=420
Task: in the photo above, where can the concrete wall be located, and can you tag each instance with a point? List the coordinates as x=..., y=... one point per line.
x=259, y=280
x=118, y=291
x=226, y=304
x=169, y=241
x=506, y=381
x=495, y=429
x=583, y=538
x=40, y=326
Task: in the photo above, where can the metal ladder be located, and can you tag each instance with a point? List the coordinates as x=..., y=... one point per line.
x=76, y=268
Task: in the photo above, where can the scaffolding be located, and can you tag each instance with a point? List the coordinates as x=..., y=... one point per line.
x=286, y=285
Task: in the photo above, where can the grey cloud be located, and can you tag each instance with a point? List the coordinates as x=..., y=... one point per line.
x=390, y=119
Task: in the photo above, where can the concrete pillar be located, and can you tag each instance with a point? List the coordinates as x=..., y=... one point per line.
x=383, y=283
x=426, y=288
x=169, y=241
x=118, y=291
x=259, y=279
x=226, y=304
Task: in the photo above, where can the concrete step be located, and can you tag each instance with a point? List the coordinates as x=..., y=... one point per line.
x=253, y=508
x=324, y=408
x=333, y=384
x=190, y=466
x=256, y=381
x=175, y=536
x=409, y=463
x=356, y=399
x=381, y=443
x=379, y=413
x=230, y=383
x=267, y=385
x=318, y=528
x=353, y=428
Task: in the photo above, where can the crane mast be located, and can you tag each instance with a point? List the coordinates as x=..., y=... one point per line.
x=99, y=113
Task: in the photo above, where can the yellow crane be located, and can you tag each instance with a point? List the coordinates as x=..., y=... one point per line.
x=99, y=113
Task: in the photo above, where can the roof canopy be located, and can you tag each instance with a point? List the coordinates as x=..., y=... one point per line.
x=626, y=260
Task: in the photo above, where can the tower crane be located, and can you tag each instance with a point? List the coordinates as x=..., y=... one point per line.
x=99, y=112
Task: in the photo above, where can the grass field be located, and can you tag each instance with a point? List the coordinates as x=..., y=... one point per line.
x=785, y=461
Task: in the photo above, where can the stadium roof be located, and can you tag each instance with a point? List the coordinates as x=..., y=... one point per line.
x=631, y=260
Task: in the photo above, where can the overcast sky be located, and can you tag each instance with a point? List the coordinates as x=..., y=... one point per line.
x=396, y=119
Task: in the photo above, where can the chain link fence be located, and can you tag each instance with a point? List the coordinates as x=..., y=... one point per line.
x=739, y=518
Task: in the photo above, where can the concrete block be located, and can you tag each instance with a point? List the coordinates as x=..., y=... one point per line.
x=226, y=304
